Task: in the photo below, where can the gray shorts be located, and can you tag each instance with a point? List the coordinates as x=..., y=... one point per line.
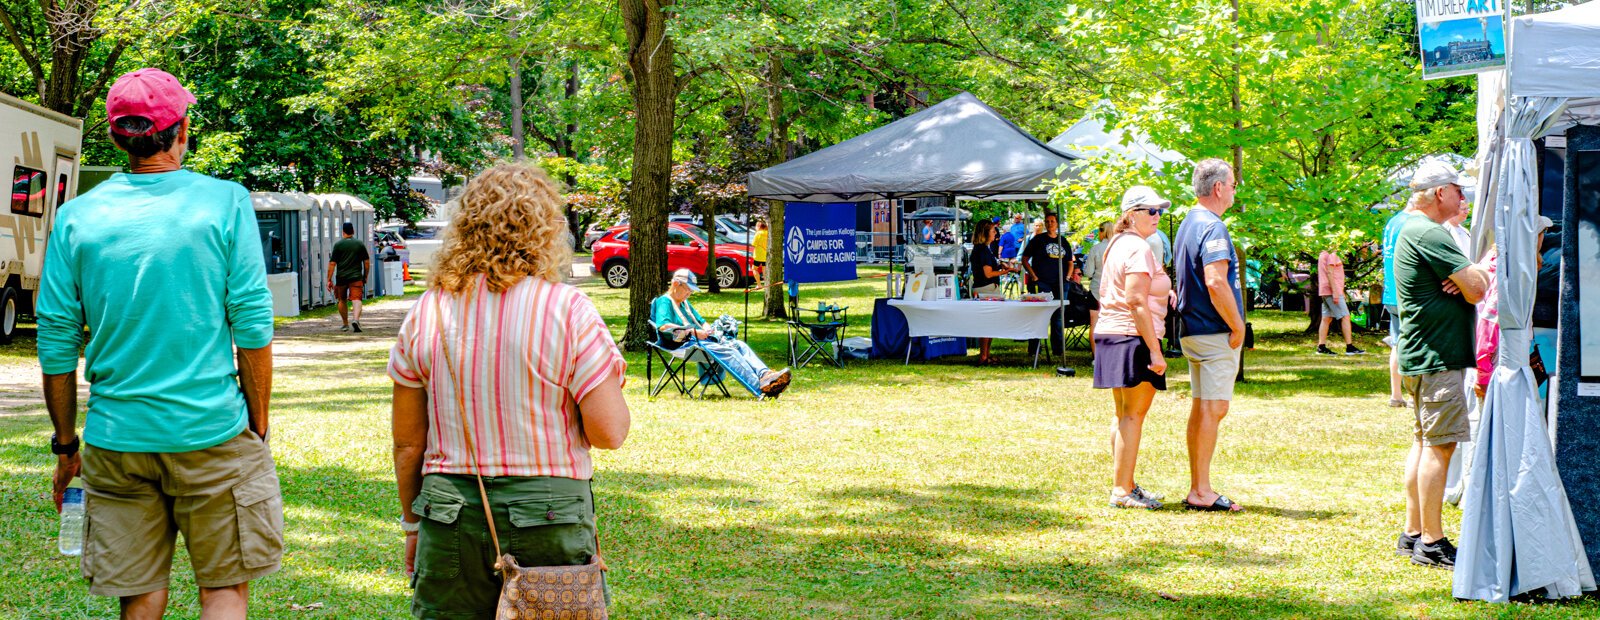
x=1213, y=365
x=1394, y=324
x=1440, y=407
x=1334, y=308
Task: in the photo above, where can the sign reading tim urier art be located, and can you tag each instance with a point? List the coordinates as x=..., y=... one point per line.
x=1460, y=37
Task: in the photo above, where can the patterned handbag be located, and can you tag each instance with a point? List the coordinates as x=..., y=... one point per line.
x=532, y=592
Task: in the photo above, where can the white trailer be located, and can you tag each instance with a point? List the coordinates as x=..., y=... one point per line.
x=39, y=152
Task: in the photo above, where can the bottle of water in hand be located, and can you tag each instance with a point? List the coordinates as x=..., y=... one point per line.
x=71, y=537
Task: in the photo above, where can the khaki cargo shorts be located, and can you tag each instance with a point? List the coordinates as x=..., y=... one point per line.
x=1440, y=407
x=224, y=499
x=1213, y=366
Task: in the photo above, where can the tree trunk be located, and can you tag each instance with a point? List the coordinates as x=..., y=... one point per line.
x=518, y=145
x=655, y=94
x=577, y=224
x=1238, y=111
x=708, y=216
x=1313, y=302
x=776, y=306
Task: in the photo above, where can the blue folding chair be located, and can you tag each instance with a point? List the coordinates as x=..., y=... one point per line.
x=675, y=367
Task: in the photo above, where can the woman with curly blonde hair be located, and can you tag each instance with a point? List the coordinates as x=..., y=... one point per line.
x=500, y=371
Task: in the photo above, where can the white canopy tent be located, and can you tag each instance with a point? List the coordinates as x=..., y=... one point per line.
x=1518, y=534
x=957, y=147
x=1088, y=138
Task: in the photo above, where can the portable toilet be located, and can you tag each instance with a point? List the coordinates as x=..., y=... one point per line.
x=279, y=217
x=297, y=236
x=328, y=215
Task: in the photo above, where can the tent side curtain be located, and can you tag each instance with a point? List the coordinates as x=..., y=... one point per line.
x=959, y=146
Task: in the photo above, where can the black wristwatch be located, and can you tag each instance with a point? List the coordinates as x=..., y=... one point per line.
x=63, y=450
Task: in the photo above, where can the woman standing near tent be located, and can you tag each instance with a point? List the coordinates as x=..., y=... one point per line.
x=986, y=272
x=1133, y=304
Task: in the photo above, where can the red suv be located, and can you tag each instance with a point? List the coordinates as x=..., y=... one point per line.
x=686, y=249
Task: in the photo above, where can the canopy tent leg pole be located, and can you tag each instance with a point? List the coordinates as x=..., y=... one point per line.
x=894, y=245
x=749, y=221
x=1061, y=304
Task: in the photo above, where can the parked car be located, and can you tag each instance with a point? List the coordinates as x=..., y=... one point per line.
x=686, y=249
x=726, y=226
x=594, y=233
x=422, y=239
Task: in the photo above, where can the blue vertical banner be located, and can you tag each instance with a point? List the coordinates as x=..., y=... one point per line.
x=819, y=242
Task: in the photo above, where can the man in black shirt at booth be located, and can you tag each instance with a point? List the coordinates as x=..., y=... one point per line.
x=1046, y=258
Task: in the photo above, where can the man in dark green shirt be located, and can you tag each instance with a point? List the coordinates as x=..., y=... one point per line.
x=1437, y=286
x=348, y=266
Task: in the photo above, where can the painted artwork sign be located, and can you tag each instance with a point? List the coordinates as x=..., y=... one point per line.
x=1460, y=37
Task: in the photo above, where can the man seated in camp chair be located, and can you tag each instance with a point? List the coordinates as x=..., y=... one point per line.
x=681, y=325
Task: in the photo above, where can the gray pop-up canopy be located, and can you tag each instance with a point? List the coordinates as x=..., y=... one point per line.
x=960, y=146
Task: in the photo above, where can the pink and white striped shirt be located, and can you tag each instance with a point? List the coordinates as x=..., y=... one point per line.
x=527, y=356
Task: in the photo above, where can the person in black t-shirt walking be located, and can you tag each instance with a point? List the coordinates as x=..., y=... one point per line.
x=348, y=266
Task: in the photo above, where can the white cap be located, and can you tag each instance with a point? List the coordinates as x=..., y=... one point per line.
x=1545, y=223
x=688, y=278
x=1140, y=195
x=1435, y=173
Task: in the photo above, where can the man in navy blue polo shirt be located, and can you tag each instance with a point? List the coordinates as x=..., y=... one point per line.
x=1209, y=304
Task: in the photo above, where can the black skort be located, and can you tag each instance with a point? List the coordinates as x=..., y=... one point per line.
x=1123, y=362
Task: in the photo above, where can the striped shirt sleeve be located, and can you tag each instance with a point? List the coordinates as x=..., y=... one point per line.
x=403, y=366
x=594, y=354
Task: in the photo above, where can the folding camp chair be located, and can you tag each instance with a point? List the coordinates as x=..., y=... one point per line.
x=822, y=337
x=1075, y=323
x=675, y=367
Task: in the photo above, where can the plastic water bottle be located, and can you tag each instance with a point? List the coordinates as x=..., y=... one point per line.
x=71, y=538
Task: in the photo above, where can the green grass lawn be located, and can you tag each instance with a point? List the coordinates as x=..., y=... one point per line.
x=935, y=490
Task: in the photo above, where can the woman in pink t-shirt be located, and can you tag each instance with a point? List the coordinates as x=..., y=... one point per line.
x=1133, y=307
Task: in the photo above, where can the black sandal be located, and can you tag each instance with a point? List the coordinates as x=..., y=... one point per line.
x=1223, y=504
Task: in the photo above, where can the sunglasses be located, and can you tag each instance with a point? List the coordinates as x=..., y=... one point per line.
x=1156, y=211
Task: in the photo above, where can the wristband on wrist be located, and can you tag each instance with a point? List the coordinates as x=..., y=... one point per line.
x=63, y=449
x=410, y=527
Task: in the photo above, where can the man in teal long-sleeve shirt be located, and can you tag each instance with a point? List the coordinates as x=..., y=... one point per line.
x=680, y=324
x=164, y=267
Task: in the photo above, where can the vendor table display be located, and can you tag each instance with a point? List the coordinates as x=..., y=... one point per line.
x=1017, y=320
x=891, y=338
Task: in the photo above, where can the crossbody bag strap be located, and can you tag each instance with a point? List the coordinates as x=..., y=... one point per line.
x=466, y=426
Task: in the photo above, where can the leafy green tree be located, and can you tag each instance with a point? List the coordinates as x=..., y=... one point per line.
x=250, y=131
x=1328, y=104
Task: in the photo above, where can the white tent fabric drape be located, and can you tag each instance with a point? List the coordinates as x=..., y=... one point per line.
x=1517, y=530
x=1491, y=94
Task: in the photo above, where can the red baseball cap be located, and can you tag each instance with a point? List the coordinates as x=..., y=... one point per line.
x=151, y=93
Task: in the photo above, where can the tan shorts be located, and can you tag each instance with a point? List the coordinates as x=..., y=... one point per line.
x=1439, y=406
x=1213, y=366
x=224, y=500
